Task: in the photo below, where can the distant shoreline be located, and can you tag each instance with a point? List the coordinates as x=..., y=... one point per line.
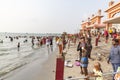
x=30, y=34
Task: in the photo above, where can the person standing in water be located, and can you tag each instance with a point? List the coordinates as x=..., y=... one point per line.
x=32, y=42
x=48, y=43
x=18, y=46
x=51, y=43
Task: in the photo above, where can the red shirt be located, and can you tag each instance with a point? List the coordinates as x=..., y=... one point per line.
x=114, y=36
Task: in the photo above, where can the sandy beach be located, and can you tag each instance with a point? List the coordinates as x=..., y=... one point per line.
x=35, y=70
x=101, y=51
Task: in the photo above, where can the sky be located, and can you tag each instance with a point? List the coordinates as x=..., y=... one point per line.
x=47, y=16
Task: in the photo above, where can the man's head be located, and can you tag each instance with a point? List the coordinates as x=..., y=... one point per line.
x=82, y=39
x=115, y=41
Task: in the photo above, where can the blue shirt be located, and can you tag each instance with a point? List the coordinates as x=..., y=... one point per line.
x=115, y=54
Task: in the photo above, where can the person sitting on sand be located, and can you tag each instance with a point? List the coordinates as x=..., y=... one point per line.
x=97, y=72
x=84, y=62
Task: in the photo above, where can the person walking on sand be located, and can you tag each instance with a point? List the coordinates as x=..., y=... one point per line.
x=118, y=37
x=97, y=39
x=114, y=56
x=110, y=32
x=64, y=42
x=68, y=41
x=89, y=48
x=60, y=45
x=89, y=37
x=106, y=36
x=114, y=34
x=74, y=39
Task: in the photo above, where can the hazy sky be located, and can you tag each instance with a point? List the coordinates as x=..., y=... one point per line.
x=41, y=16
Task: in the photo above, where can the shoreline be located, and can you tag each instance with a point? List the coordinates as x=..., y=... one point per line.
x=48, y=69
x=36, y=70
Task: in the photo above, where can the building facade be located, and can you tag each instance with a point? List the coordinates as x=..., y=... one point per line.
x=113, y=19
x=113, y=16
x=93, y=23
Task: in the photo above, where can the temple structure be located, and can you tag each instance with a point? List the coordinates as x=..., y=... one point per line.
x=113, y=15
x=93, y=23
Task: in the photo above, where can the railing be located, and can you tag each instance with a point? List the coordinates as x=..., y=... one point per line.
x=104, y=74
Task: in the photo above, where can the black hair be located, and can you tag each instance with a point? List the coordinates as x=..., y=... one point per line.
x=116, y=40
x=82, y=38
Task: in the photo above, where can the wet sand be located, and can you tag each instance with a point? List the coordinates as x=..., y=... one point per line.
x=35, y=70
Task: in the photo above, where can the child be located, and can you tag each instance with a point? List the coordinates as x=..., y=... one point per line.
x=84, y=62
x=97, y=71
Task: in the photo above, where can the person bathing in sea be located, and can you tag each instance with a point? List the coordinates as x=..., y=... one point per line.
x=51, y=43
x=48, y=43
x=32, y=42
x=18, y=46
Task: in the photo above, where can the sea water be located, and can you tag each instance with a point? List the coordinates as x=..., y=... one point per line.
x=11, y=58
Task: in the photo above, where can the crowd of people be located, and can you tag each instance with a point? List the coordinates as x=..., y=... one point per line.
x=114, y=56
x=35, y=41
x=40, y=41
x=85, y=47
